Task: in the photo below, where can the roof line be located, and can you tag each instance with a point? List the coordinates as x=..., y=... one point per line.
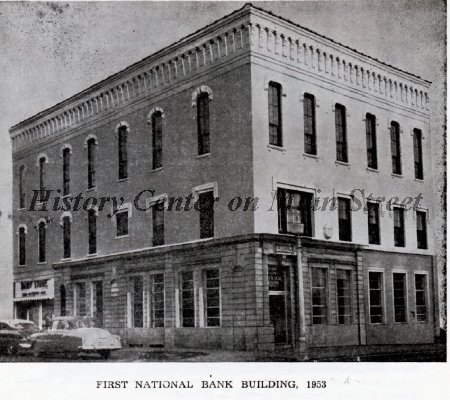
x=338, y=43
x=184, y=38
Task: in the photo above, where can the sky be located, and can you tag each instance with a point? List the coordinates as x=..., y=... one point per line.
x=50, y=51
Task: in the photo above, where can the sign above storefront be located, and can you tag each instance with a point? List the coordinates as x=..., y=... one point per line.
x=34, y=290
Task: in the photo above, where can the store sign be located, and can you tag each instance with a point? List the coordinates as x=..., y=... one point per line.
x=276, y=278
x=39, y=289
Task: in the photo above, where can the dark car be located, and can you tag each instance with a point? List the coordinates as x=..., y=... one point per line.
x=9, y=339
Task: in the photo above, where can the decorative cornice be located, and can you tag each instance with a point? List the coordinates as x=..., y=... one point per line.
x=247, y=29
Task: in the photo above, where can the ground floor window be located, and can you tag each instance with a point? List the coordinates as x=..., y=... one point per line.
x=136, y=302
x=399, y=285
x=421, y=297
x=157, y=300
x=187, y=299
x=319, y=295
x=80, y=299
x=344, y=298
x=212, y=297
x=376, y=297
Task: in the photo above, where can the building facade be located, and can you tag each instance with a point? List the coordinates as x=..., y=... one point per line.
x=253, y=185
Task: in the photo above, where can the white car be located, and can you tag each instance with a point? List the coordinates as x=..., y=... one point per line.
x=73, y=335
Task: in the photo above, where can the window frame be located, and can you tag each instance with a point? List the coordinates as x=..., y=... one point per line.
x=194, y=299
x=131, y=301
x=326, y=288
x=204, y=273
x=203, y=213
x=66, y=159
x=67, y=236
x=427, y=304
x=310, y=146
x=158, y=231
x=42, y=241
x=42, y=160
x=91, y=147
x=22, y=248
x=92, y=216
x=341, y=133
x=152, y=309
x=382, y=290
x=275, y=107
x=203, y=123
x=282, y=195
x=22, y=197
x=347, y=200
x=401, y=210
x=418, y=154
x=122, y=147
x=423, y=214
x=405, y=288
x=378, y=224
x=396, y=149
x=76, y=297
x=371, y=141
x=157, y=139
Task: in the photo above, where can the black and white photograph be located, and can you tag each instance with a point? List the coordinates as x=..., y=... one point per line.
x=188, y=186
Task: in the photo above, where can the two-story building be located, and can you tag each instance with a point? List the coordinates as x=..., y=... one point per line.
x=253, y=185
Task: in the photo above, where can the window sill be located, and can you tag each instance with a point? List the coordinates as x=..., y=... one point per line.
x=121, y=237
x=277, y=148
x=342, y=163
x=312, y=156
x=368, y=169
x=42, y=263
x=22, y=266
x=201, y=156
x=396, y=175
x=122, y=180
x=155, y=170
x=21, y=209
x=419, y=180
x=91, y=189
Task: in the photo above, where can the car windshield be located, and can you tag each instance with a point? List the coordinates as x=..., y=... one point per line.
x=86, y=323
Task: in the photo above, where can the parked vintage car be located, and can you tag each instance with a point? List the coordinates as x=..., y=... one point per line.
x=73, y=335
x=9, y=339
x=25, y=327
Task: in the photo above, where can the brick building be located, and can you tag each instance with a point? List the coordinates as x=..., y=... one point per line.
x=245, y=154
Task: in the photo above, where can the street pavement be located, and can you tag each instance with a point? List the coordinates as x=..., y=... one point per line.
x=387, y=353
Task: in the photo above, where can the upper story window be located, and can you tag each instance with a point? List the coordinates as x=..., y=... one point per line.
x=206, y=206
x=42, y=172
x=66, y=225
x=22, y=232
x=294, y=208
x=21, y=186
x=203, y=125
x=418, y=159
x=66, y=170
x=341, y=133
x=421, y=223
x=275, y=122
x=156, y=121
x=92, y=162
x=158, y=223
x=122, y=222
x=395, y=148
x=373, y=210
x=399, y=227
x=92, y=231
x=122, y=137
x=309, y=116
x=345, y=219
x=371, y=140
x=42, y=228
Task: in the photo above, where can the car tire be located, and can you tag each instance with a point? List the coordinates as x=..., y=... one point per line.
x=105, y=354
x=12, y=349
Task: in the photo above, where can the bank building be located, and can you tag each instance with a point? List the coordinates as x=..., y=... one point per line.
x=255, y=120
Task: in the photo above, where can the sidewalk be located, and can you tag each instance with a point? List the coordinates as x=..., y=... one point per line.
x=399, y=353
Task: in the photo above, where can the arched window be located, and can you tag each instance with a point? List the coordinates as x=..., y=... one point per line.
x=62, y=297
x=92, y=231
x=122, y=135
x=92, y=156
x=21, y=187
x=157, y=139
x=42, y=227
x=66, y=225
x=66, y=170
x=22, y=242
x=203, y=123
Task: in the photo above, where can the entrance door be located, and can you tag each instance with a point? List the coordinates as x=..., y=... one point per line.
x=278, y=302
